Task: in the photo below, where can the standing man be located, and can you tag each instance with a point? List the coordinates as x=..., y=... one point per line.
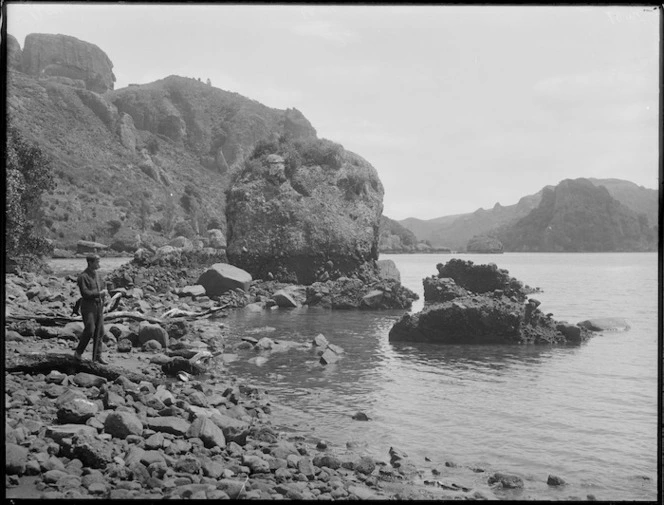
x=93, y=293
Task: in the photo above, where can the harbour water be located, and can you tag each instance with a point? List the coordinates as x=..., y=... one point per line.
x=587, y=414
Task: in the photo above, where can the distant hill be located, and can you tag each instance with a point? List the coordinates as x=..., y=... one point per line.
x=637, y=198
x=394, y=237
x=579, y=216
x=455, y=231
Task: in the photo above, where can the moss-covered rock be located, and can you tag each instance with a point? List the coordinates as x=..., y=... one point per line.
x=304, y=211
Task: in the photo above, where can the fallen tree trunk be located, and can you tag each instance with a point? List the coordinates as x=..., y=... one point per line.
x=65, y=363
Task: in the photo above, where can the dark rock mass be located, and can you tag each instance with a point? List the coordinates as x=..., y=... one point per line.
x=64, y=56
x=481, y=304
x=481, y=278
x=304, y=211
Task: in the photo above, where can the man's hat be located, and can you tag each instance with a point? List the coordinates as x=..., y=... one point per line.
x=92, y=257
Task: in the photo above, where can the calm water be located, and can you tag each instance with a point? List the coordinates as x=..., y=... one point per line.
x=587, y=414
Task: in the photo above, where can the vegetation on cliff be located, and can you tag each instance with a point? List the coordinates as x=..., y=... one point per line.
x=300, y=209
x=28, y=175
x=138, y=165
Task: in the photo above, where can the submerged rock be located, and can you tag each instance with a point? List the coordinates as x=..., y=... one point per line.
x=605, y=324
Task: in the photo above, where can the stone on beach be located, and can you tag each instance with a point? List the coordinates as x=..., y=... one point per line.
x=222, y=277
x=122, y=424
x=151, y=331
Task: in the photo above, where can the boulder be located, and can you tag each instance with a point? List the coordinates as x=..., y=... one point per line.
x=388, y=270
x=605, y=324
x=441, y=289
x=66, y=56
x=88, y=380
x=372, y=299
x=194, y=291
x=168, y=424
x=152, y=331
x=481, y=278
x=217, y=239
x=507, y=481
x=290, y=223
x=205, y=429
x=222, y=277
x=284, y=299
x=77, y=411
x=61, y=432
x=92, y=451
x=484, y=319
x=16, y=457
x=121, y=424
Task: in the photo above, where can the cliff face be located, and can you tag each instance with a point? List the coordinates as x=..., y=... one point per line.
x=304, y=211
x=64, y=56
x=14, y=53
x=151, y=161
x=218, y=126
x=577, y=216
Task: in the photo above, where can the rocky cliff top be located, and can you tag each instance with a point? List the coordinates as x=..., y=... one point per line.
x=47, y=54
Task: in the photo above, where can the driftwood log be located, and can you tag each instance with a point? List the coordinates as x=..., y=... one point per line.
x=65, y=363
x=60, y=319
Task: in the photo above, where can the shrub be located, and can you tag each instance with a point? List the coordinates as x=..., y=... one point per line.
x=28, y=176
x=184, y=229
x=114, y=226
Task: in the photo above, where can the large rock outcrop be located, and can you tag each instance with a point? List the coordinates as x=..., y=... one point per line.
x=485, y=307
x=484, y=245
x=304, y=211
x=14, y=53
x=65, y=56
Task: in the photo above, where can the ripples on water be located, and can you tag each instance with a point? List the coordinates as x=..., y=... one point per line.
x=588, y=413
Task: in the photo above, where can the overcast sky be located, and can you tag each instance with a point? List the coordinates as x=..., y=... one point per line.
x=456, y=107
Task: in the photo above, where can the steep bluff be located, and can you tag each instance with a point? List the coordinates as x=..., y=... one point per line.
x=138, y=165
x=304, y=211
x=64, y=56
x=14, y=53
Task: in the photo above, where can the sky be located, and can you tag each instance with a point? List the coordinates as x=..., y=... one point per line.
x=457, y=107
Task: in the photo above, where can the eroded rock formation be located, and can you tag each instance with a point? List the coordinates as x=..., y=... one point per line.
x=481, y=304
x=304, y=212
x=65, y=56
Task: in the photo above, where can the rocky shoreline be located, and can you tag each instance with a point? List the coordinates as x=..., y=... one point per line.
x=166, y=420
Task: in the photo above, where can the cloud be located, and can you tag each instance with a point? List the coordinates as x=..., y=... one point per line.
x=325, y=30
